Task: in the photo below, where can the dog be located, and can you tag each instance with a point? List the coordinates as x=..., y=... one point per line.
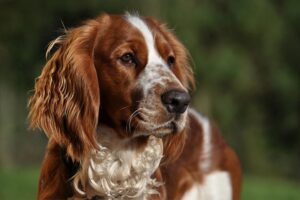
x=113, y=100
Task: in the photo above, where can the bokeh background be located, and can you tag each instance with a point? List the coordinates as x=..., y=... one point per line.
x=246, y=60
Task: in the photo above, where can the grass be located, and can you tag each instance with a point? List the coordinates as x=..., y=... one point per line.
x=22, y=184
x=259, y=188
x=18, y=184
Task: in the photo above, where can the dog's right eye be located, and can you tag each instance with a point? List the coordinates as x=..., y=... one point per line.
x=171, y=61
x=128, y=59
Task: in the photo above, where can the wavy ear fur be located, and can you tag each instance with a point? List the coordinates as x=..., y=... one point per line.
x=66, y=99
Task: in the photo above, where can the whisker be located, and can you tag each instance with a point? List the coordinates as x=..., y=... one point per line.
x=129, y=124
x=136, y=112
x=125, y=107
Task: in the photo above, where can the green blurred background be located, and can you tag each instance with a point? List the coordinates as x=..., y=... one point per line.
x=246, y=60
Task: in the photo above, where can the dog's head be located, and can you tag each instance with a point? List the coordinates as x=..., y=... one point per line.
x=127, y=72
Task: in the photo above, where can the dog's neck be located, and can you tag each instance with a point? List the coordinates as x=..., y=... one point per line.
x=121, y=168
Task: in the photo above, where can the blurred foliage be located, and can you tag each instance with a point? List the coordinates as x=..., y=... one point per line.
x=246, y=57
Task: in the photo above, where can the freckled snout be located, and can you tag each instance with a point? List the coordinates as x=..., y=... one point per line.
x=176, y=101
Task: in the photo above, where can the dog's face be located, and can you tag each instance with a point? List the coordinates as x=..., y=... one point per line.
x=126, y=72
x=142, y=71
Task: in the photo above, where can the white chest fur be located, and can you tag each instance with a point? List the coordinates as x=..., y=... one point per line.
x=120, y=169
x=216, y=186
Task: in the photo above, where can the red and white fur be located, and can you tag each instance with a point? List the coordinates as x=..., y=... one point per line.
x=112, y=134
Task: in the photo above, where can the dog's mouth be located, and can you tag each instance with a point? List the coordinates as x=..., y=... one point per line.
x=157, y=124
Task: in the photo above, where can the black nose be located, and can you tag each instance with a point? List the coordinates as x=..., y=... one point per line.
x=176, y=101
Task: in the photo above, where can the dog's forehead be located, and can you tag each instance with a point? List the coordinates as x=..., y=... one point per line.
x=149, y=38
x=156, y=72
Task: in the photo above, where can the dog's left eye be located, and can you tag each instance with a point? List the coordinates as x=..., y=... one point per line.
x=171, y=60
x=128, y=59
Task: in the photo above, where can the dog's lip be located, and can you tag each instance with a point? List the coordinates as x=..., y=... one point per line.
x=165, y=125
x=169, y=127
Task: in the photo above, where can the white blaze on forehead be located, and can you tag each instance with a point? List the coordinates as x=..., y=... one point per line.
x=153, y=56
x=156, y=71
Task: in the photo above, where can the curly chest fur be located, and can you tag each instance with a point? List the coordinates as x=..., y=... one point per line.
x=120, y=170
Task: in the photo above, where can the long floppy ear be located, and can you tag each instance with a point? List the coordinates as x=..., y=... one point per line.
x=66, y=99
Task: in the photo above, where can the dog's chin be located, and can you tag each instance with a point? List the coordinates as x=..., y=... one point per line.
x=171, y=127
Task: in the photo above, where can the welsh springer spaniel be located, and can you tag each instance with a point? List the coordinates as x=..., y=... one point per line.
x=113, y=100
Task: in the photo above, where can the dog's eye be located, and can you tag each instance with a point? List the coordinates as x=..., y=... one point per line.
x=128, y=59
x=171, y=60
